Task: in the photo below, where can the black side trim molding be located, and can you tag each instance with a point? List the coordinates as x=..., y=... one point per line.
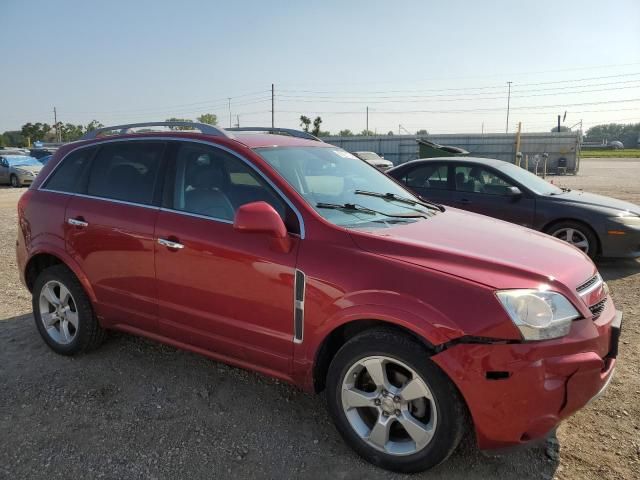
x=298, y=306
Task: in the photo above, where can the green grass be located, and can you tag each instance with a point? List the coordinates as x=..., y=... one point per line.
x=625, y=153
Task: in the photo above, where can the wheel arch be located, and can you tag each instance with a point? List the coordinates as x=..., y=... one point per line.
x=337, y=337
x=44, y=259
x=546, y=228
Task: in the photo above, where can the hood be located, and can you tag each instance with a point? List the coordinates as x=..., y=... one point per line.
x=481, y=249
x=591, y=199
x=380, y=162
x=29, y=168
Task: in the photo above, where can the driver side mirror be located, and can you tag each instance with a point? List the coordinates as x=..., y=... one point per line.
x=260, y=217
x=513, y=192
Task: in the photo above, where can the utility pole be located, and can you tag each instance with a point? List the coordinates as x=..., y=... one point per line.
x=55, y=124
x=367, y=129
x=482, y=128
x=238, y=121
x=508, y=105
x=229, y=98
x=273, y=123
x=558, y=123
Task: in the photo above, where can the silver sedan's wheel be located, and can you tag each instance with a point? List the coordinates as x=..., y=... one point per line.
x=15, y=183
x=58, y=312
x=389, y=405
x=573, y=236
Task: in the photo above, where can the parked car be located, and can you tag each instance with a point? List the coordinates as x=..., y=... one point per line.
x=375, y=160
x=44, y=160
x=18, y=170
x=597, y=225
x=42, y=152
x=293, y=258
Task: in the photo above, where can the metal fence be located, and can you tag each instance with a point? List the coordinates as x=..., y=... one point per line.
x=563, y=148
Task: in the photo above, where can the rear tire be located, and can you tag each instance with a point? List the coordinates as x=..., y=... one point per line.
x=63, y=313
x=436, y=418
x=577, y=234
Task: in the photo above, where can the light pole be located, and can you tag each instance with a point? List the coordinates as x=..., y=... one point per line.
x=508, y=105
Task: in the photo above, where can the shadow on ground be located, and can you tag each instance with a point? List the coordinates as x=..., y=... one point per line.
x=614, y=269
x=139, y=409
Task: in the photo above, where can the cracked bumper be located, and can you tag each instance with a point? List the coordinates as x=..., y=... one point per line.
x=517, y=393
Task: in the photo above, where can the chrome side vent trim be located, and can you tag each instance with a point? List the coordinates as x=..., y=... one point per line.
x=299, y=288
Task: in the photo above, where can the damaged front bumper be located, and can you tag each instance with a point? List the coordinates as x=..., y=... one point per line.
x=519, y=392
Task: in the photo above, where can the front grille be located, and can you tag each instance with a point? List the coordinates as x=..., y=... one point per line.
x=597, y=308
x=589, y=283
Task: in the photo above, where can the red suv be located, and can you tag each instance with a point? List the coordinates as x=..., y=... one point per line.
x=296, y=259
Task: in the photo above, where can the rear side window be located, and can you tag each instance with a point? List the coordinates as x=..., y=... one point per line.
x=431, y=177
x=126, y=172
x=66, y=176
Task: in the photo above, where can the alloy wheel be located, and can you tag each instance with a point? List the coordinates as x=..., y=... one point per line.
x=58, y=312
x=574, y=237
x=389, y=405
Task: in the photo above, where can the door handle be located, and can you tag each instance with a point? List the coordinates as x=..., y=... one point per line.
x=465, y=201
x=77, y=222
x=169, y=244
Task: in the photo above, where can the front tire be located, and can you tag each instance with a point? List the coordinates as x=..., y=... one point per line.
x=393, y=405
x=15, y=183
x=577, y=234
x=63, y=312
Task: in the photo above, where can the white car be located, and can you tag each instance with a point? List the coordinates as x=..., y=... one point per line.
x=375, y=160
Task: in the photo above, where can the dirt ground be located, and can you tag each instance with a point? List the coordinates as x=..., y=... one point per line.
x=136, y=409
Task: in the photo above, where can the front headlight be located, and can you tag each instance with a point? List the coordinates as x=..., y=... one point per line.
x=539, y=314
x=628, y=218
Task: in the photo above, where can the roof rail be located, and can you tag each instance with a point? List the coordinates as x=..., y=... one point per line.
x=123, y=129
x=276, y=131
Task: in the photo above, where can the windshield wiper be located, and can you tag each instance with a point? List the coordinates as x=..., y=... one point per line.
x=352, y=207
x=398, y=198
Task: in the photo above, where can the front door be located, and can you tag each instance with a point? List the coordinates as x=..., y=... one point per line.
x=483, y=190
x=219, y=289
x=109, y=231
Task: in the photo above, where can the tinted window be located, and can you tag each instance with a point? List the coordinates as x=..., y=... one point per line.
x=432, y=177
x=480, y=180
x=126, y=171
x=214, y=183
x=66, y=176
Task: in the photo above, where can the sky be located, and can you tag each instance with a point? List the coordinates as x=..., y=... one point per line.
x=442, y=66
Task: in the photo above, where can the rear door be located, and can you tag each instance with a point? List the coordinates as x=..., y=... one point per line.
x=484, y=190
x=109, y=230
x=429, y=180
x=4, y=170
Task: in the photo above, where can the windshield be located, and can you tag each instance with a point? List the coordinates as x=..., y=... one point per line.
x=339, y=187
x=530, y=180
x=369, y=156
x=21, y=161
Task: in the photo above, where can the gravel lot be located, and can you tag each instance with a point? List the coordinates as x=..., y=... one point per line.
x=136, y=409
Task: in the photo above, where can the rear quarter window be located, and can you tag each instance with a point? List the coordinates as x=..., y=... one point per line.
x=66, y=176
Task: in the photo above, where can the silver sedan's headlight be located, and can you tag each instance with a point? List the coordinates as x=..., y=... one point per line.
x=539, y=314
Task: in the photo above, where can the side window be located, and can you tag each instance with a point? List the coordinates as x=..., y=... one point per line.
x=430, y=177
x=66, y=176
x=479, y=180
x=126, y=171
x=214, y=183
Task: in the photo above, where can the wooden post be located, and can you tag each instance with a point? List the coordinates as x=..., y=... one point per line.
x=526, y=162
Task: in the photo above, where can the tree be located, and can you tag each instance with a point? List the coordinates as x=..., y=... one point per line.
x=70, y=132
x=208, y=118
x=316, y=126
x=14, y=139
x=174, y=119
x=628, y=134
x=35, y=131
x=422, y=132
x=366, y=133
x=345, y=133
x=93, y=125
x=562, y=129
x=305, y=122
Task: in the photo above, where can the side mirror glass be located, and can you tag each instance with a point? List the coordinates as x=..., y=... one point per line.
x=260, y=217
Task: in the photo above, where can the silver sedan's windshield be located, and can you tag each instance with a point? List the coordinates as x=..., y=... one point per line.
x=344, y=189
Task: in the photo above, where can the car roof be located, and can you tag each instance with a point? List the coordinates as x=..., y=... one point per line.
x=492, y=162
x=249, y=139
